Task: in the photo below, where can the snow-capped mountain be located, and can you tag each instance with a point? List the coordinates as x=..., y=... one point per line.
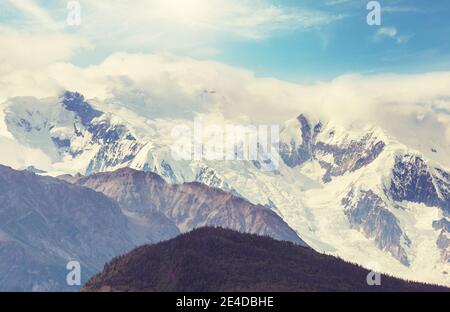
x=70, y=129
x=361, y=193
x=388, y=192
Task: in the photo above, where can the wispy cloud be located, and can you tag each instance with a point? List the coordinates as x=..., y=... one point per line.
x=399, y=9
x=35, y=14
x=337, y=2
x=246, y=19
x=176, y=26
x=392, y=33
x=36, y=41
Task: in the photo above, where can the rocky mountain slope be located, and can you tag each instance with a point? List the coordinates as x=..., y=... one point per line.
x=212, y=259
x=46, y=222
x=188, y=206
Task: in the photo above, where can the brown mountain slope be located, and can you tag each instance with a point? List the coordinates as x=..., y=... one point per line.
x=45, y=223
x=188, y=205
x=213, y=259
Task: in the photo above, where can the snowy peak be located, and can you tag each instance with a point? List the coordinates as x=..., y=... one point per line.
x=74, y=102
x=336, y=152
x=413, y=180
x=377, y=180
x=300, y=140
x=70, y=130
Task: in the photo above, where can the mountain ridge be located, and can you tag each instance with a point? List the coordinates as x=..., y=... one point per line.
x=188, y=205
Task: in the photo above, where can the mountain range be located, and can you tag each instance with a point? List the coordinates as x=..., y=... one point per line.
x=363, y=194
x=46, y=222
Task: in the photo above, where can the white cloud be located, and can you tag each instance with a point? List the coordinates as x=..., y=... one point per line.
x=399, y=9
x=25, y=51
x=162, y=84
x=18, y=156
x=391, y=32
x=338, y=2
x=162, y=74
x=36, y=42
x=387, y=31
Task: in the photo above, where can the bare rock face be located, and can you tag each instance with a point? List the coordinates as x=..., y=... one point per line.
x=413, y=180
x=294, y=154
x=443, y=244
x=368, y=213
x=443, y=241
x=442, y=224
x=349, y=157
x=336, y=158
x=189, y=205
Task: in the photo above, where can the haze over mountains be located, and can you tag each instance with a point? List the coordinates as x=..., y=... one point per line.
x=359, y=193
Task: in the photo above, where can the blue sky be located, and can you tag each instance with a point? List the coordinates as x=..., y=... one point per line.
x=350, y=45
x=303, y=41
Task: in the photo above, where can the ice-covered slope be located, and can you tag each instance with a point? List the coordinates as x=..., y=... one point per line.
x=379, y=187
x=357, y=192
x=69, y=132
